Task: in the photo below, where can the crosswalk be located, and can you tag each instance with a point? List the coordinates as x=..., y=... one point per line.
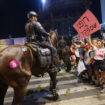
x=65, y=82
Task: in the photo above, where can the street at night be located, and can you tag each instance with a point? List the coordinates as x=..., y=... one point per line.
x=79, y=93
x=52, y=52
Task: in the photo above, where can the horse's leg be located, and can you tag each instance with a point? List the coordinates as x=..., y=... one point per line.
x=67, y=63
x=19, y=95
x=68, y=66
x=3, y=90
x=53, y=85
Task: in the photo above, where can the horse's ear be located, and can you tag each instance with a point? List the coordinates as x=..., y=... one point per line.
x=56, y=30
x=50, y=30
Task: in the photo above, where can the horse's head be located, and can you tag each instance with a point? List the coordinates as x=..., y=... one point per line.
x=53, y=41
x=53, y=37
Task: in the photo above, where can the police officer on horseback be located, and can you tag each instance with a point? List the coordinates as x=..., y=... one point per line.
x=36, y=33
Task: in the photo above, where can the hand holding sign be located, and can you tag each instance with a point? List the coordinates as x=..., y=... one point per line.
x=75, y=38
x=87, y=24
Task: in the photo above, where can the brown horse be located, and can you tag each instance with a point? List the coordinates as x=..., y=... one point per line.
x=53, y=37
x=53, y=41
x=19, y=77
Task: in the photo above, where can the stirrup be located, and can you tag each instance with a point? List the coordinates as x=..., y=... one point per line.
x=55, y=69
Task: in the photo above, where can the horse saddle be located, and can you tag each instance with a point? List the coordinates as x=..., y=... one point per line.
x=43, y=55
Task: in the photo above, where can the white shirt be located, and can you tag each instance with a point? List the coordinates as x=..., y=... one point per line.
x=99, y=54
x=77, y=52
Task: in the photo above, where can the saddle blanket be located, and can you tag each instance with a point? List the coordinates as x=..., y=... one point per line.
x=43, y=55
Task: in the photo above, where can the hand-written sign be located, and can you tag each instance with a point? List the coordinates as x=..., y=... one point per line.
x=87, y=24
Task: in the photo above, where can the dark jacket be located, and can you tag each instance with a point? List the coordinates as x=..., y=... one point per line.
x=35, y=31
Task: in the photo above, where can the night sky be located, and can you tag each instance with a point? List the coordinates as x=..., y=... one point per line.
x=13, y=16
x=96, y=9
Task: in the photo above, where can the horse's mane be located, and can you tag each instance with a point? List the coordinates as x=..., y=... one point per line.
x=53, y=37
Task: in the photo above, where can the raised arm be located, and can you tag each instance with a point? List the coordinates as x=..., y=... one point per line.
x=76, y=45
x=82, y=43
x=72, y=49
x=90, y=41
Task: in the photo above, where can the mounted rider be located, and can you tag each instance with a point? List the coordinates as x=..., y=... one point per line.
x=36, y=33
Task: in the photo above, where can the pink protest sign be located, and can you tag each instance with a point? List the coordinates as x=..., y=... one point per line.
x=87, y=24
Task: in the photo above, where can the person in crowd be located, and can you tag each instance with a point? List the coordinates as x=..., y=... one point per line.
x=99, y=62
x=90, y=61
x=72, y=57
x=87, y=59
x=78, y=51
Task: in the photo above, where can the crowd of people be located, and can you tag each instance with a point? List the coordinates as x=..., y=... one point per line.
x=87, y=57
x=88, y=60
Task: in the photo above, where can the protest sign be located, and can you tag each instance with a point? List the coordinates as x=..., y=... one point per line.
x=87, y=24
x=75, y=38
x=81, y=67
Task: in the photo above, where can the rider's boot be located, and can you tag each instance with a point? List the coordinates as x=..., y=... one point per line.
x=55, y=65
x=55, y=68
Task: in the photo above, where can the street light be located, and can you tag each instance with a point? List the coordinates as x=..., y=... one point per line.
x=43, y=1
x=43, y=4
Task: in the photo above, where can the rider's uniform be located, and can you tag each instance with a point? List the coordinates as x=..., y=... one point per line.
x=36, y=33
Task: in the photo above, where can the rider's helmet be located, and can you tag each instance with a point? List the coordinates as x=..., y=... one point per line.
x=32, y=13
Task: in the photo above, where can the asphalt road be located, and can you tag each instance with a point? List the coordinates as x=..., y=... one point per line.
x=70, y=92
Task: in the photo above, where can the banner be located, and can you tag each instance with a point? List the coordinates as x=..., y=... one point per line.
x=87, y=24
x=81, y=67
x=76, y=38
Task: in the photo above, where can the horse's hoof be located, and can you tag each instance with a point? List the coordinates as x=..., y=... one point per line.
x=28, y=92
x=50, y=89
x=67, y=70
x=56, y=97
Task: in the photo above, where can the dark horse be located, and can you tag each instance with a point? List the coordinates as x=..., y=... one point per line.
x=64, y=54
x=19, y=77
